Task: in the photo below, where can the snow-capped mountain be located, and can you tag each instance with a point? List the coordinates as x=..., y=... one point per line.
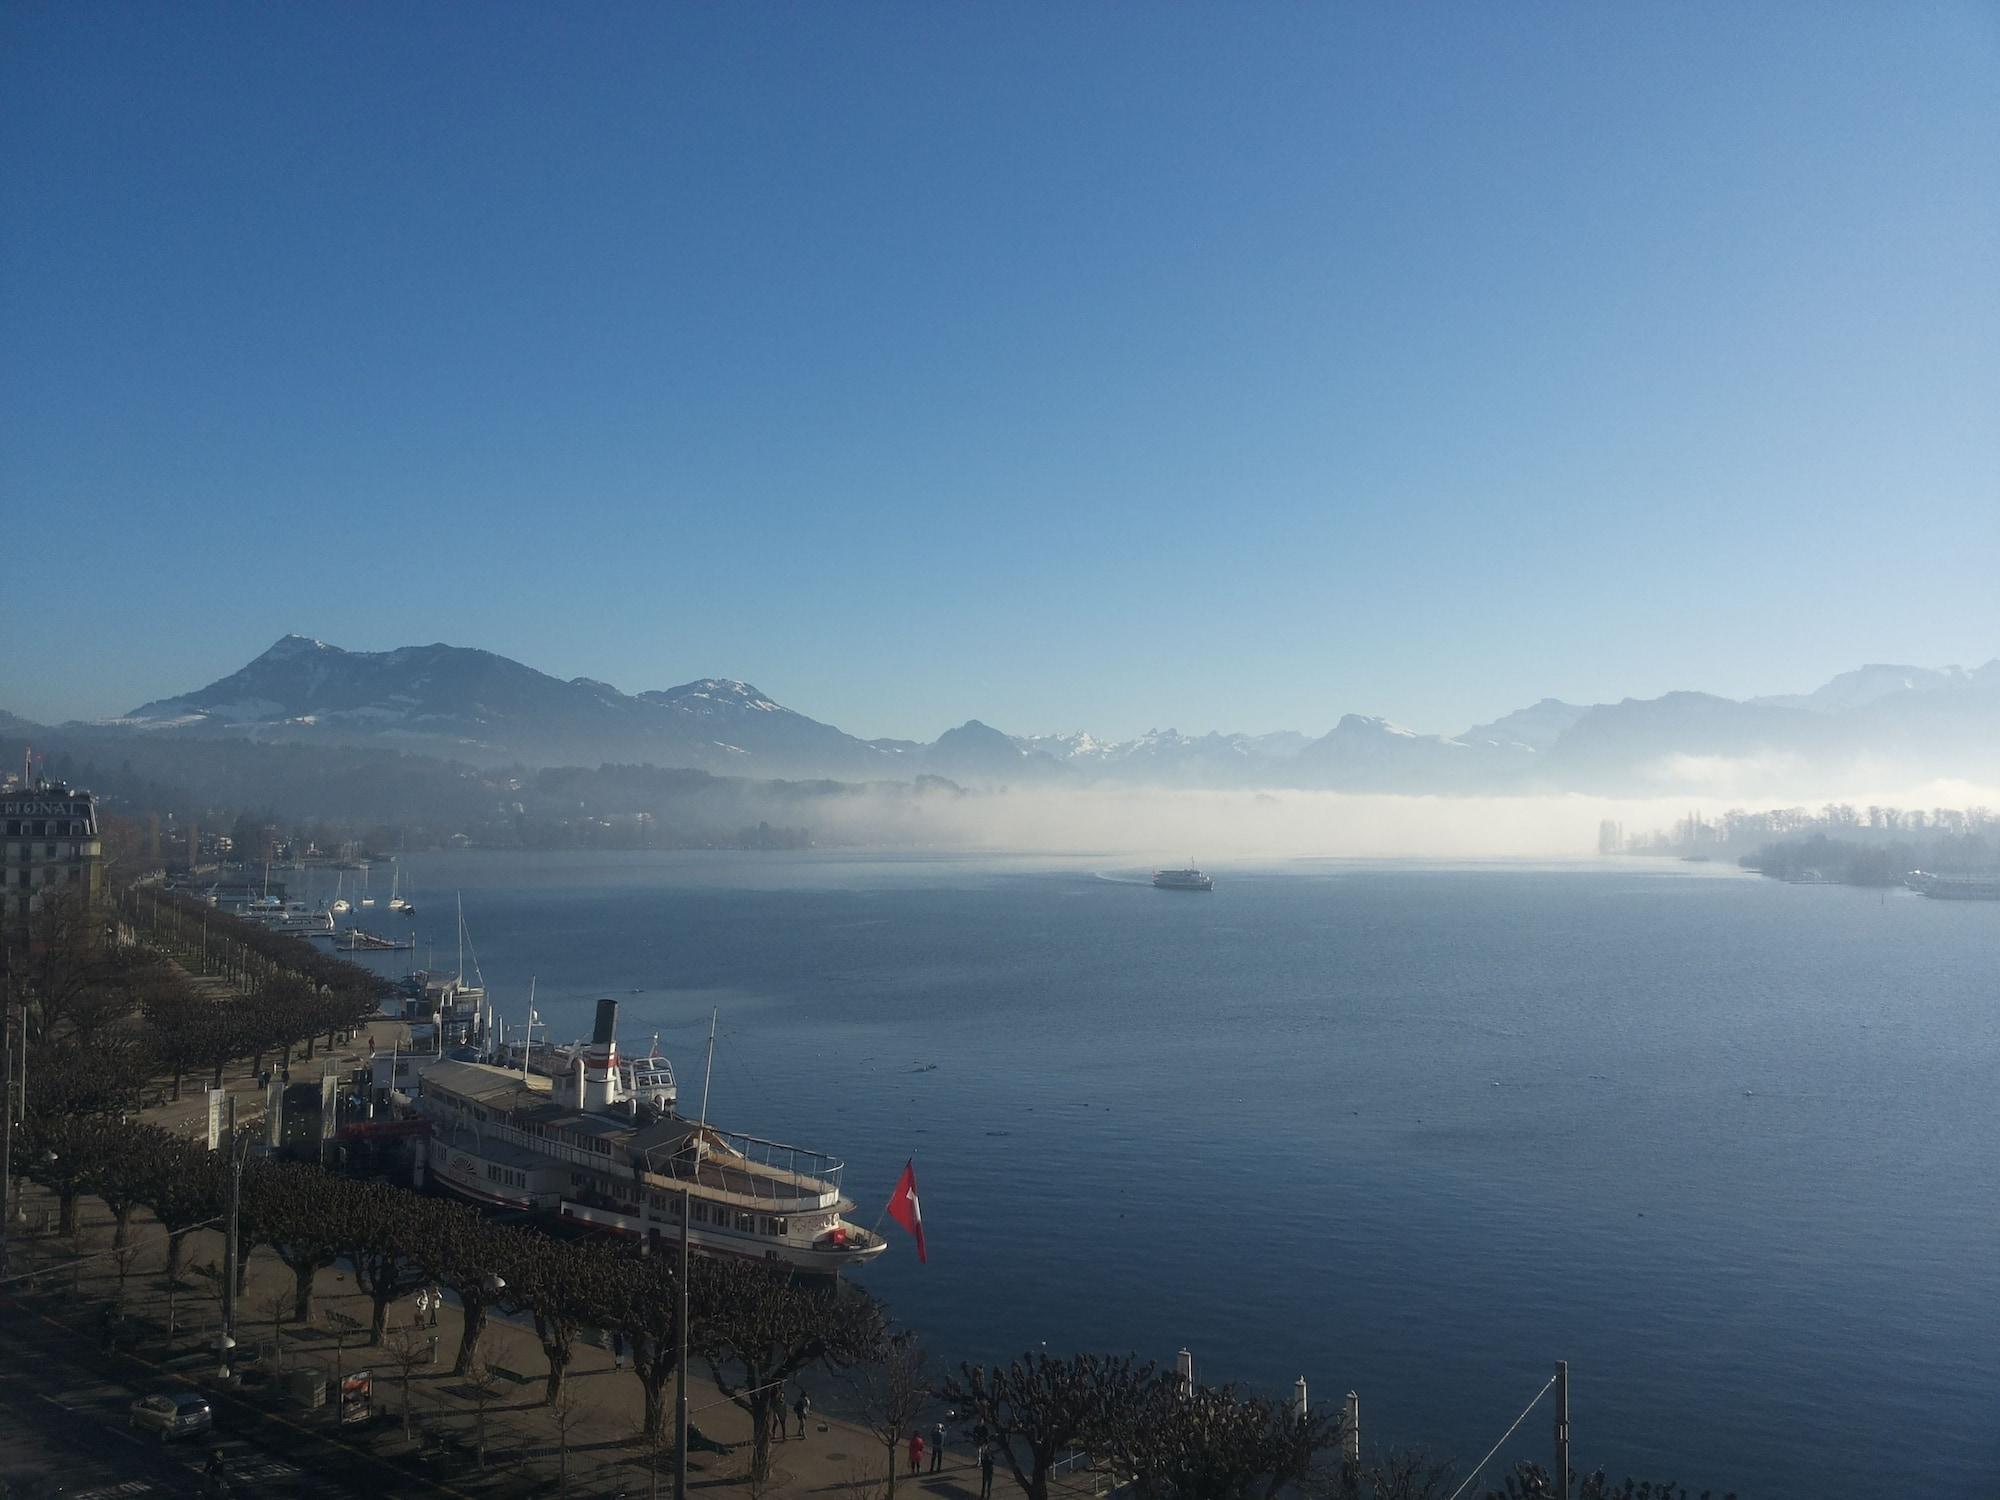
x=479, y=706
x=1871, y=684
x=474, y=705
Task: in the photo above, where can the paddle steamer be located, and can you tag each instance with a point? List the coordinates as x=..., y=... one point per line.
x=580, y=1133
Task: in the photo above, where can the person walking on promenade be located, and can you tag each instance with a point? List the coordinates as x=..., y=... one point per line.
x=803, y=1408
x=423, y=1306
x=916, y=1452
x=985, y=1472
x=437, y=1301
x=937, y=1447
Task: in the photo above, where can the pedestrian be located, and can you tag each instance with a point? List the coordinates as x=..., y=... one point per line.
x=985, y=1472
x=437, y=1301
x=803, y=1407
x=423, y=1307
x=937, y=1447
x=916, y=1451
x=617, y=1350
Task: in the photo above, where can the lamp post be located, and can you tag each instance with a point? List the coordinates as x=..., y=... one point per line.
x=681, y=1369
x=238, y=1150
x=6, y=1105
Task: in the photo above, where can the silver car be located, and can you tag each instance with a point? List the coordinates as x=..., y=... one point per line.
x=172, y=1414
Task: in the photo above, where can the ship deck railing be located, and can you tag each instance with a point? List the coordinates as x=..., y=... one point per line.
x=742, y=1184
x=768, y=1173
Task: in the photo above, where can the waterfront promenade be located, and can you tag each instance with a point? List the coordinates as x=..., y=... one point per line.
x=59, y=1316
x=105, y=1327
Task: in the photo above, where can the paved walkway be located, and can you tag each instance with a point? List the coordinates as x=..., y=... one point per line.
x=607, y=1455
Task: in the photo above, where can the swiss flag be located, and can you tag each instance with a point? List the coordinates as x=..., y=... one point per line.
x=903, y=1206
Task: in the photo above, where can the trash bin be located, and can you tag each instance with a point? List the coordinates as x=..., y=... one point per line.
x=306, y=1388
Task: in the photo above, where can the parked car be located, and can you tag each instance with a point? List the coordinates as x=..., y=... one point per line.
x=172, y=1414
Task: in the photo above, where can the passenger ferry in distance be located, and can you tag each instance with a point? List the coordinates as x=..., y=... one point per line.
x=1189, y=879
x=595, y=1139
x=1954, y=887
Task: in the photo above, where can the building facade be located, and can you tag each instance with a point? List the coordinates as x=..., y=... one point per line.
x=49, y=847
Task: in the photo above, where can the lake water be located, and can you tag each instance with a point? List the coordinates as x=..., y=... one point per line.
x=1726, y=1145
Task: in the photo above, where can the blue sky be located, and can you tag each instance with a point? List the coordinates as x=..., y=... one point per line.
x=1098, y=366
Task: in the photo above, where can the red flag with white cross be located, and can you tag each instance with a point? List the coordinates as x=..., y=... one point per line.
x=904, y=1208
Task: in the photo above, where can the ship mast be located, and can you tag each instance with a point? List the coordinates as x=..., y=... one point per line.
x=708, y=1070
x=528, y=1047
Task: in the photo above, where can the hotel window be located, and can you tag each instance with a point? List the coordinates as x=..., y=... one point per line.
x=780, y=1228
x=701, y=1213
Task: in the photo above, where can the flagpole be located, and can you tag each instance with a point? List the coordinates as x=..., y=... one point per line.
x=909, y=1163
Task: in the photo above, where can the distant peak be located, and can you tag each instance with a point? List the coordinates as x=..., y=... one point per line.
x=298, y=645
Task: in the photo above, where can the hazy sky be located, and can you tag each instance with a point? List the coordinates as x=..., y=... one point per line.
x=1100, y=365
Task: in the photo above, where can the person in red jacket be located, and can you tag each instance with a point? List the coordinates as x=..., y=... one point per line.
x=916, y=1452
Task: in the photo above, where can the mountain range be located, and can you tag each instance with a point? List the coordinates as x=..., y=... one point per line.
x=475, y=706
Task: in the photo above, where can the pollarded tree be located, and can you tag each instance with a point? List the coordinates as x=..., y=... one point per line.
x=1530, y=1481
x=1045, y=1406
x=184, y=1189
x=644, y=1304
x=298, y=1215
x=1208, y=1441
x=564, y=1287
x=478, y=1260
x=385, y=1238
x=769, y=1324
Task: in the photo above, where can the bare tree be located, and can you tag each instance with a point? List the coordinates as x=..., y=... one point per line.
x=891, y=1391
x=569, y=1412
x=407, y=1349
x=484, y=1385
x=273, y=1306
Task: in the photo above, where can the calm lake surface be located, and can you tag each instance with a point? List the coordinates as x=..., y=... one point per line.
x=1726, y=1145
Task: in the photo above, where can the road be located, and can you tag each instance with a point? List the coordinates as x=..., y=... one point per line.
x=65, y=1433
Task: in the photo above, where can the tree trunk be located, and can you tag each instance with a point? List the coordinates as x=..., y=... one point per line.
x=66, y=1210
x=472, y=1331
x=218, y=1073
x=379, y=1323
x=176, y=1243
x=656, y=1397
x=177, y=1084
x=556, y=1350
x=303, y=1275
x=121, y=1220
x=760, y=1442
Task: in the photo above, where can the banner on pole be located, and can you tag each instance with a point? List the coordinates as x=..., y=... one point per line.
x=215, y=1098
x=274, y=1112
x=329, y=1094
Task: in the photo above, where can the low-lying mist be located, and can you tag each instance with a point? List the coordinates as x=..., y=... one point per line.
x=1215, y=825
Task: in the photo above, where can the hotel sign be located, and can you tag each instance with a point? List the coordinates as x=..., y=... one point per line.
x=42, y=809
